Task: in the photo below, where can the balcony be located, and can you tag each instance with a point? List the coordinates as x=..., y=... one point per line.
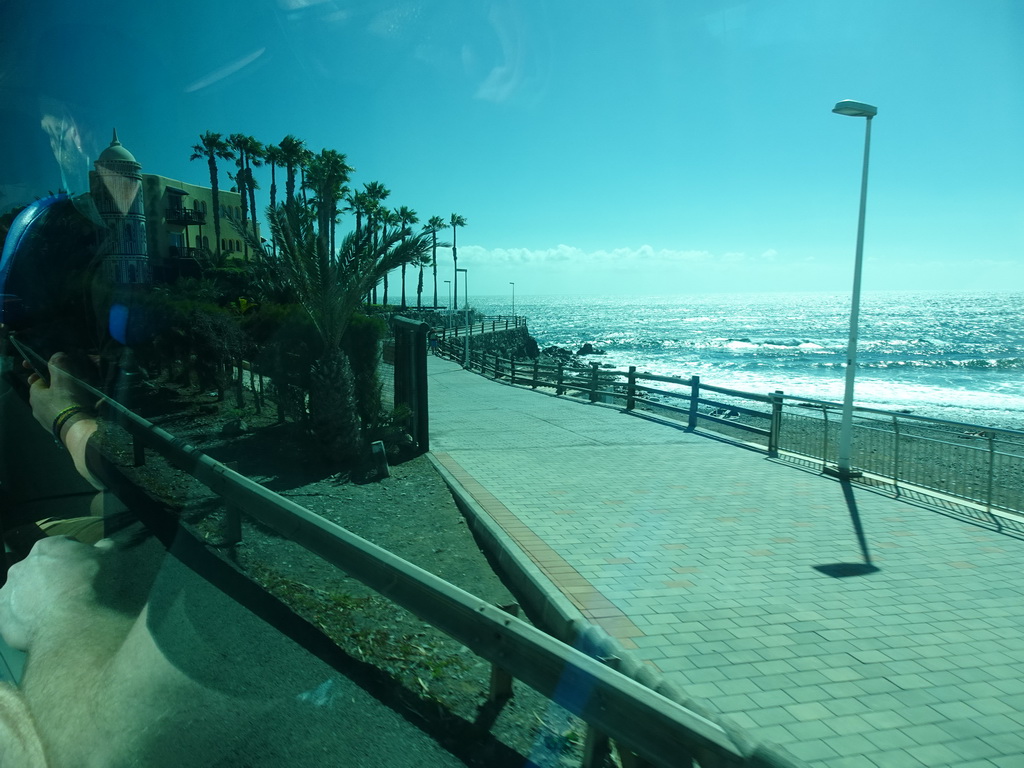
x=174, y=252
x=185, y=216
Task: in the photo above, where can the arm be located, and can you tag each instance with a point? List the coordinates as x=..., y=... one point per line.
x=50, y=401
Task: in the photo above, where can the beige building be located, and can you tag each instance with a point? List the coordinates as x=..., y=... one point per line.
x=162, y=228
x=179, y=219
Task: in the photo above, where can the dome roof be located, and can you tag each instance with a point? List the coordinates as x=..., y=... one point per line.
x=116, y=153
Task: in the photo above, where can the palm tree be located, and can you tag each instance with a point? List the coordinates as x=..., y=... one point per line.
x=253, y=159
x=305, y=157
x=357, y=203
x=326, y=175
x=330, y=288
x=245, y=148
x=274, y=156
x=211, y=147
x=293, y=150
x=385, y=217
x=456, y=221
x=434, y=225
x=407, y=216
x=375, y=193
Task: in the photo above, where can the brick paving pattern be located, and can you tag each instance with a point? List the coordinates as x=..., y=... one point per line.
x=743, y=579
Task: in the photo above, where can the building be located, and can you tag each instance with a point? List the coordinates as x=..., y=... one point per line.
x=116, y=185
x=161, y=228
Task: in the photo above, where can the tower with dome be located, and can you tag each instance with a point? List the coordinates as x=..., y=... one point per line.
x=116, y=187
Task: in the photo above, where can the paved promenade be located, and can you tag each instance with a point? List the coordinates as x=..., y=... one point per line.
x=744, y=580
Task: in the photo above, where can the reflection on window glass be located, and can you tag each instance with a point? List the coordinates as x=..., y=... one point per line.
x=233, y=232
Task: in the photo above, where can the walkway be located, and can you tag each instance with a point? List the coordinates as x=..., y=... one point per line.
x=743, y=579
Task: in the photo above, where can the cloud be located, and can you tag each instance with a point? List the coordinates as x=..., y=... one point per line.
x=571, y=256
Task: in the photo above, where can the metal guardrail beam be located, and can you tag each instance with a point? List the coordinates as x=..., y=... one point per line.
x=652, y=726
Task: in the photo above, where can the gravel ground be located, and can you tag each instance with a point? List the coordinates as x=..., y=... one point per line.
x=431, y=679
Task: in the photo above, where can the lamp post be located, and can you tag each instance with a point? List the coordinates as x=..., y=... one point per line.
x=843, y=469
x=465, y=292
x=513, y=300
x=449, y=282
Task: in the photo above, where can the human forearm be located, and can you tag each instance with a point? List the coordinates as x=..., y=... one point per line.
x=75, y=437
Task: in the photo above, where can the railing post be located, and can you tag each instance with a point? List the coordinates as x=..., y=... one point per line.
x=232, y=526
x=138, y=451
x=497, y=366
x=500, y=689
x=536, y=369
x=824, y=438
x=776, y=424
x=596, y=745
x=991, y=470
x=512, y=370
x=694, y=397
x=559, y=387
x=896, y=453
x=593, y=382
x=631, y=389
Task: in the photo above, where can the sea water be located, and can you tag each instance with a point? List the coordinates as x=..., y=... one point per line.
x=954, y=356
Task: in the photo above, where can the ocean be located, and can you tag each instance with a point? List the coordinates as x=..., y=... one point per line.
x=954, y=356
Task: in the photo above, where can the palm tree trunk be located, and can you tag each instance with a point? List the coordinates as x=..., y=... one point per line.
x=332, y=408
x=215, y=199
x=433, y=262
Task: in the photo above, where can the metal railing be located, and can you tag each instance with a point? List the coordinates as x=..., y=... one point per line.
x=181, y=215
x=646, y=725
x=982, y=465
x=488, y=324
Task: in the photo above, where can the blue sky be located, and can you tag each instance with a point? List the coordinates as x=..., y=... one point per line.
x=600, y=147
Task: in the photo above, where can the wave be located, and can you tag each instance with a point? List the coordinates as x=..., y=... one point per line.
x=1005, y=364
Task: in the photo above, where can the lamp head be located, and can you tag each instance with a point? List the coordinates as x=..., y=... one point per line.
x=854, y=109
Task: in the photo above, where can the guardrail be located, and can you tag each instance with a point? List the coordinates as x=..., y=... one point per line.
x=982, y=465
x=488, y=324
x=645, y=724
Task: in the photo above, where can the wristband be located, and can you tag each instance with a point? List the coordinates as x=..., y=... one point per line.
x=64, y=417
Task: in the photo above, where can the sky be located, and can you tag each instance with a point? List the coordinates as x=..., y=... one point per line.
x=605, y=147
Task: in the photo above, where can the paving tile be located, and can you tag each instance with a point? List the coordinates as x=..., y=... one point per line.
x=918, y=664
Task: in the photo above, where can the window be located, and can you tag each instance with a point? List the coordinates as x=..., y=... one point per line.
x=665, y=182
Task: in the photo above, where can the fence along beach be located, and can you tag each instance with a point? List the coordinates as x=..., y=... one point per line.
x=956, y=357
x=976, y=464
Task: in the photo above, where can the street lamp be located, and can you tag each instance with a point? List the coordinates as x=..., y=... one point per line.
x=513, y=300
x=465, y=291
x=843, y=469
x=449, y=282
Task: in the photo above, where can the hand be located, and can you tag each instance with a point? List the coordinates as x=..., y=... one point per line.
x=49, y=589
x=49, y=400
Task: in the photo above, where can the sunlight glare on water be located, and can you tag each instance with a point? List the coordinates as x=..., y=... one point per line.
x=953, y=356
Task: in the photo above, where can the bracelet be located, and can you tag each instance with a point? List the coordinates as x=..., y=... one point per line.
x=64, y=417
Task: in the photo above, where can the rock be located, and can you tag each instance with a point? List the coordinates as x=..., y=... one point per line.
x=558, y=353
x=589, y=349
x=234, y=428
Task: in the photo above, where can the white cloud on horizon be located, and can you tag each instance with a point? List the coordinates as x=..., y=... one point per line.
x=646, y=270
x=618, y=258
x=566, y=268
